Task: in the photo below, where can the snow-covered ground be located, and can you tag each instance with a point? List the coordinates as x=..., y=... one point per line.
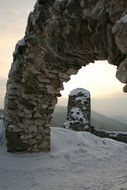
x=77, y=161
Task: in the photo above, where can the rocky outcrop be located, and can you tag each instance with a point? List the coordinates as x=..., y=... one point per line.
x=118, y=136
x=79, y=110
x=61, y=37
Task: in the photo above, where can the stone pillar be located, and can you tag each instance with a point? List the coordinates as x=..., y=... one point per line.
x=79, y=110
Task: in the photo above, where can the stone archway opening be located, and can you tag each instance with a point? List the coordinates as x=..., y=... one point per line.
x=60, y=38
x=99, y=79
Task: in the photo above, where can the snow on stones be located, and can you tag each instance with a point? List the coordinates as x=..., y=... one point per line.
x=123, y=19
x=20, y=43
x=78, y=117
x=81, y=91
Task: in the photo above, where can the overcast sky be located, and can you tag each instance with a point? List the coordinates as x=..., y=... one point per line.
x=13, y=19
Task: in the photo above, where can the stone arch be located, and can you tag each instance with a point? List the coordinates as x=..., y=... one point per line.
x=61, y=37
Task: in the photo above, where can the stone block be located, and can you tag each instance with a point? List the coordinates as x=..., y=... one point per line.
x=79, y=110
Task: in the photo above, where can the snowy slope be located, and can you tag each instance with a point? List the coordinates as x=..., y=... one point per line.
x=77, y=161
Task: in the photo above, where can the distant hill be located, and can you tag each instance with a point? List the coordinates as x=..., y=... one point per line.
x=114, y=106
x=102, y=122
x=59, y=116
x=122, y=118
x=98, y=120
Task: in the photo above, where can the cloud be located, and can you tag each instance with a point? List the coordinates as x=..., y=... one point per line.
x=13, y=20
x=13, y=15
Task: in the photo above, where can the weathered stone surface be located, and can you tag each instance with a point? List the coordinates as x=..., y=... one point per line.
x=79, y=110
x=125, y=88
x=121, y=74
x=118, y=136
x=60, y=38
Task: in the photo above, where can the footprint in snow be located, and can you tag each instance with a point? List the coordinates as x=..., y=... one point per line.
x=67, y=156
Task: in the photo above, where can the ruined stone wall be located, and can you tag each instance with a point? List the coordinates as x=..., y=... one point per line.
x=118, y=136
x=61, y=37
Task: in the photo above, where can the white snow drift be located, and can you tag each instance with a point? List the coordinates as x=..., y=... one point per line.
x=77, y=161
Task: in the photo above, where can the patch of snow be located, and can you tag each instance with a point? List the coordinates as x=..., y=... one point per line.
x=77, y=161
x=77, y=91
x=118, y=132
x=68, y=123
x=114, y=132
x=69, y=1
x=123, y=19
x=76, y=113
x=82, y=99
x=21, y=42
